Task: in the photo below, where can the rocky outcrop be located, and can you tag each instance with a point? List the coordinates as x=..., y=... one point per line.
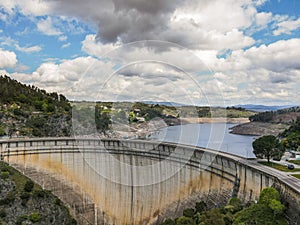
x=23, y=202
x=259, y=128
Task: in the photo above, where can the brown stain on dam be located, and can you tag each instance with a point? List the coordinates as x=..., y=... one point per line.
x=120, y=204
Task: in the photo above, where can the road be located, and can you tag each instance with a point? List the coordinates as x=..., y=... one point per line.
x=283, y=176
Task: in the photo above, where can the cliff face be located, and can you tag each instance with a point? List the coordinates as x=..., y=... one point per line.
x=23, y=202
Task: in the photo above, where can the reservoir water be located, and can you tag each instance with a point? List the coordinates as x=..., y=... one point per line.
x=215, y=136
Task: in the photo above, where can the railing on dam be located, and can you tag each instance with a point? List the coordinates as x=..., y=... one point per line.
x=179, y=153
x=246, y=176
x=160, y=150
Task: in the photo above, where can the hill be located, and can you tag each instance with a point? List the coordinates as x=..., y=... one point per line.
x=23, y=202
x=263, y=108
x=29, y=111
x=269, y=123
x=26, y=110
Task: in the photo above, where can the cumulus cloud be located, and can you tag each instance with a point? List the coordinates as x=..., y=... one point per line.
x=286, y=27
x=91, y=46
x=31, y=49
x=129, y=20
x=46, y=27
x=263, y=74
x=30, y=7
x=8, y=59
x=218, y=32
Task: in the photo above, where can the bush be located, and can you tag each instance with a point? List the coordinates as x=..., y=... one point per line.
x=185, y=221
x=10, y=198
x=188, y=212
x=236, y=203
x=201, y=207
x=169, y=222
x=3, y=213
x=5, y=168
x=2, y=131
x=57, y=201
x=28, y=186
x=74, y=222
x=39, y=193
x=35, y=217
x=4, y=175
x=21, y=218
x=25, y=197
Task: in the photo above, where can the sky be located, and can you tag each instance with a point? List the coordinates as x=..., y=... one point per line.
x=208, y=52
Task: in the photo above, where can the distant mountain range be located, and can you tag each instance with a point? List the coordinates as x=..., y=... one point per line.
x=251, y=107
x=174, y=104
x=264, y=108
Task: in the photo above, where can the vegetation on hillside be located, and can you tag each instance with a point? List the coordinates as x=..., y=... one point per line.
x=291, y=136
x=269, y=123
x=268, y=210
x=24, y=202
x=288, y=115
x=26, y=110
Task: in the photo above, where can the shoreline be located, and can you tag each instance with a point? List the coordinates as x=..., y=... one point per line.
x=146, y=129
x=214, y=120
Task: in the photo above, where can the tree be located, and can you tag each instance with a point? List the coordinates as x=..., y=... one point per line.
x=213, y=216
x=267, y=195
x=268, y=210
x=267, y=147
x=185, y=221
x=2, y=131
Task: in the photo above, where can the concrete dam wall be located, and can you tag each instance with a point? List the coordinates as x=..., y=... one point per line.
x=139, y=182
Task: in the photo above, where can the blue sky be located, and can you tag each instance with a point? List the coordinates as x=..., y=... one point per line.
x=246, y=49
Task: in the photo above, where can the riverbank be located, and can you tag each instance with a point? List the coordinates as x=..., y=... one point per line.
x=215, y=120
x=146, y=129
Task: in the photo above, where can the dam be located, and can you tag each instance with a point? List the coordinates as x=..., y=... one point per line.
x=141, y=182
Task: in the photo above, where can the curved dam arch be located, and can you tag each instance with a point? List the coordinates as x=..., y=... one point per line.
x=143, y=182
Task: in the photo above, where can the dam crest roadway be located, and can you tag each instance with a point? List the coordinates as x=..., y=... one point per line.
x=112, y=181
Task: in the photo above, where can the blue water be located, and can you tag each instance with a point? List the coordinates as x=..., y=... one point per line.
x=213, y=136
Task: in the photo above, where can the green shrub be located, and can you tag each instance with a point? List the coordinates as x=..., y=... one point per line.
x=185, y=221
x=2, y=131
x=28, y=186
x=4, y=175
x=188, y=212
x=10, y=198
x=236, y=203
x=201, y=207
x=57, y=201
x=39, y=193
x=21, y=218
x=25, y=195
x=3, y=213
x=5, y=168
x=35, y=217
x=169, y=222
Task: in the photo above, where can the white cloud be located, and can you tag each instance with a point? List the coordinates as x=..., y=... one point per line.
x=92, y=47
x=8, y=59
x=62, y=38
x=286, y=27
x=8, y=41
x=66, y=45
x=28, y=7
x=46, y=27
x=31, y=49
